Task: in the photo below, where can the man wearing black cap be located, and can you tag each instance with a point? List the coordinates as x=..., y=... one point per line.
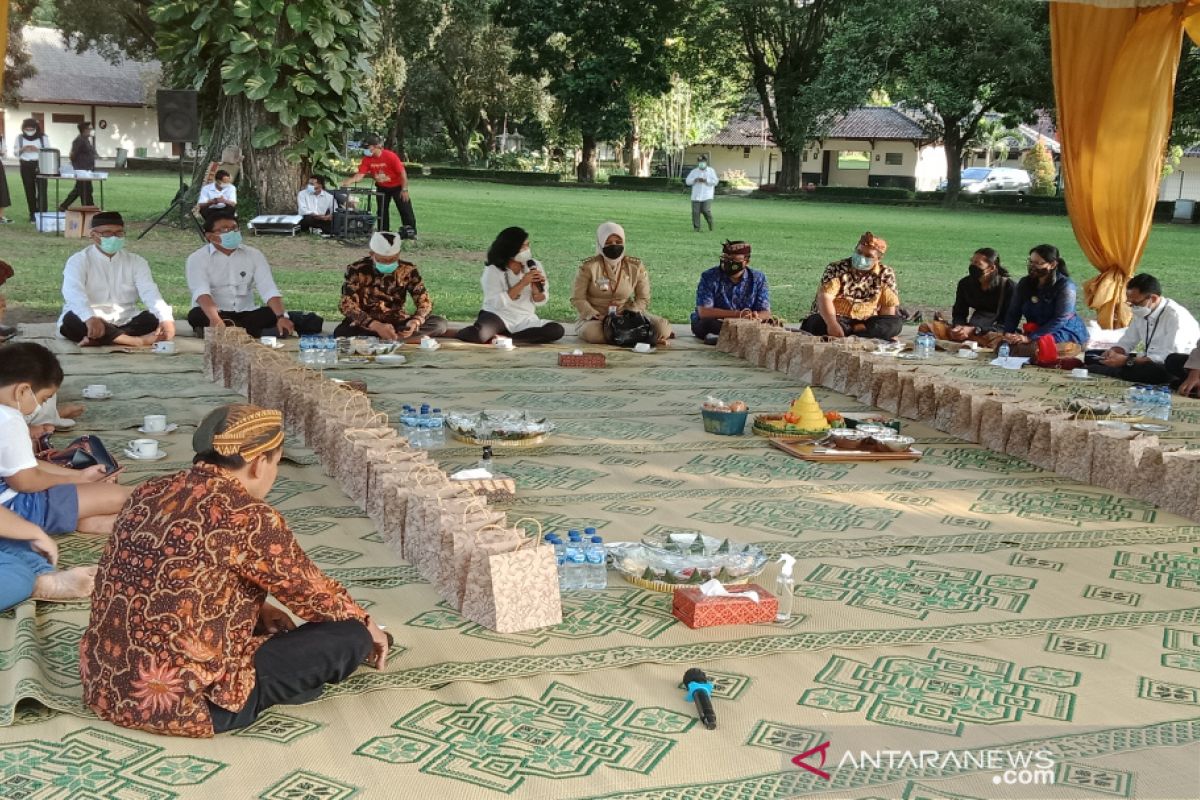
x=730, y=289
x=101, y=287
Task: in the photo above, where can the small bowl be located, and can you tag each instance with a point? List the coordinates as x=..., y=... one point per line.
x=847, y=438
x=894, y=443
x=871, y=429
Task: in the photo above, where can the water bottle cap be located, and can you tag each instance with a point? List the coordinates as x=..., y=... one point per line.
x=437, y=411
x=597, y=540
x=590, y=531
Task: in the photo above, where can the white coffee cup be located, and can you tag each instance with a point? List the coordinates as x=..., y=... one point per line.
x=1079, y=372
x=164, y=347
x=641, y=347
x=428, y=343
x=95, y=390
x=144, y=448
x=269, y=341
x=967, y=352
x=503, y=343
x=154, y=423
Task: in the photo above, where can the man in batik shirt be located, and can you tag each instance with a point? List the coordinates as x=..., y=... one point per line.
x=858, y=296
x=374, y=294
x=181, y=639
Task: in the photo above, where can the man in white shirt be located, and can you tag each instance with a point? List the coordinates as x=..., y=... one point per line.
x=223, y=276
x=218, y=198
x=315, y=205
x=703, y=180
x=101, y=288
x=1161, y=328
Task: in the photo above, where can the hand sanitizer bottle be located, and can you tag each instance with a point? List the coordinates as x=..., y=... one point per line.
x=785, y=588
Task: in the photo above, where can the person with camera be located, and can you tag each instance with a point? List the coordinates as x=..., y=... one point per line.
x=611, y=283
x=514, y=286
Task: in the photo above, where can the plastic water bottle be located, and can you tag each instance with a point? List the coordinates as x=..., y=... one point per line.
x=423, y=420
x=1163, y=406
x=597, y=569
x=435, y=434
x=1003, y=350
x=560, y=558
x=307, y=350
x=573, y=562
x=329, y=351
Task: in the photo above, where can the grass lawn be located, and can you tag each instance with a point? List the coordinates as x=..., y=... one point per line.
x=929, y=247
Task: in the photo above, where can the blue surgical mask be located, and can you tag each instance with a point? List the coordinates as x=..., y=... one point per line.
x=387, y=269
x=231, y=240
x=859, y=261
x=366, y=151
x=312, y=189
x=111, y=244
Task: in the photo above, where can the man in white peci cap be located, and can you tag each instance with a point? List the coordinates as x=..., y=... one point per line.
x=375, y=291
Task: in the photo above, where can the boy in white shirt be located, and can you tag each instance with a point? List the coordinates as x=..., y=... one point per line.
x=218, y=197
x=101, y=288
x=55, y=499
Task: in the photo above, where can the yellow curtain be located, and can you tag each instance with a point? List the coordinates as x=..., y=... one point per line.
x=3, y=38
x=1114, y=79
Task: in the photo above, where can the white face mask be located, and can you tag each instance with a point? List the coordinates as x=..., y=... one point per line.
x=524, y=257
x=1140, y=312
x=37, y=409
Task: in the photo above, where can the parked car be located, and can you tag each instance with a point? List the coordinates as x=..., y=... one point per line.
x=993, y=180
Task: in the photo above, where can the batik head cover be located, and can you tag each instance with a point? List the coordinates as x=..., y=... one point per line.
x=239, y=430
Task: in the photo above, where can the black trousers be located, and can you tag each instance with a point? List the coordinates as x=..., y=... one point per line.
x=488, y=326
x=880, y=327
x=310, y=222
x=387, y=196
x=259, y=321
x=35, y=190
x=703, y=327
x=434, y=326
x=75, y=329
x=1151, y=373
x=82, y=190
x=294, y=667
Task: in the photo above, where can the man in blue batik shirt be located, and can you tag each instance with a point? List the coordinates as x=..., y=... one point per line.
x=730, y=289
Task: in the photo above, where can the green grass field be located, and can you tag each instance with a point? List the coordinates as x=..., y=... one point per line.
x=929, y=247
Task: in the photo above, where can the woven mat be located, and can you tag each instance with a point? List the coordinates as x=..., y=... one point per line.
x=965, y=600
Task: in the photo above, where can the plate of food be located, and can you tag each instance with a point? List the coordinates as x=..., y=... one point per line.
x=665, y=560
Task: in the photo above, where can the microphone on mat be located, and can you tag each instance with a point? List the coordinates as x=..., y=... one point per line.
x=699, y=690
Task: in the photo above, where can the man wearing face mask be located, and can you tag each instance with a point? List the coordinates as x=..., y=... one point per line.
x=858, y=296
x=1160, y=328
x=101, y=288
x=219, y=197
x=83, y=157
x=730, y=290
x=26, y=149
x=391, y=184
x=223, y=277
x=374, y=293
x=315, y=207
x=703, y=180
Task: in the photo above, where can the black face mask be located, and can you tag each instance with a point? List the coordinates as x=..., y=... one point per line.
x=1037, y=273
x=731, y=268
x=976, y=272
x=613, y=251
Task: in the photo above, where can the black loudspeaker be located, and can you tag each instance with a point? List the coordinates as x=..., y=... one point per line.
x=178, y=117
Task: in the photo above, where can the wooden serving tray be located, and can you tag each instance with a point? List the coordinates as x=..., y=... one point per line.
x=807, y=452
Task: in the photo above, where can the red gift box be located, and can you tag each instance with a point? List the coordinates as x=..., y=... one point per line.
x=695, y=610
x=585, y=360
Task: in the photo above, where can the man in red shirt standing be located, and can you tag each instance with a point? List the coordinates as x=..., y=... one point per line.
x=391, y=184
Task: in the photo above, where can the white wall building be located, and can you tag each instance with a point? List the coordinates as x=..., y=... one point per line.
x=69, y=88
x=867, y=147
x=1184, y=181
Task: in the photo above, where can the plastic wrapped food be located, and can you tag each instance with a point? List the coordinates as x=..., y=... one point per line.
x=685, y=557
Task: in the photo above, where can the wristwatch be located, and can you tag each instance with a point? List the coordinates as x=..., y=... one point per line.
x=284, y=315
x=1130, y=360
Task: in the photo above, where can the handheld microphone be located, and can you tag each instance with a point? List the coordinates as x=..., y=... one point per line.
x=699, y=690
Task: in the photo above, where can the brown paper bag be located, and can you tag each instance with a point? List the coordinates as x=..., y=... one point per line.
x=1179, y=494
x=460, y=534
x=1073, y=450
x=1047, y=428
x=1116, y=456
x=513, y=591
x=1149, y=482
x=991, y=423
x=908, y=405
x=799, y=365
x=824, y=357
x=946, y=402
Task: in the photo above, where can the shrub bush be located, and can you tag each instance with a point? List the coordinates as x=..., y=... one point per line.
x=494, y=175
x=646, y=184
x=865, y=192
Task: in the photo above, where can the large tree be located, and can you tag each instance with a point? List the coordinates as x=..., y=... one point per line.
x=950, y=62
x=596, y=58
x=784, y=41
x=17, y=67
x=282, y=79
x=1185, y=127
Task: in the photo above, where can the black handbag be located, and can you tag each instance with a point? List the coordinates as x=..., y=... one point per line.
x=628, y=328
x=84, y=452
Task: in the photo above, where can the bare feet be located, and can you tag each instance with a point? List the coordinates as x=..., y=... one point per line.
x=72, y=410
x=64, y=585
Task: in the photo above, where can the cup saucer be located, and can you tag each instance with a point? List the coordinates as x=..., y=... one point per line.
x=158, y=457
x=169, y=429
x=101, y=396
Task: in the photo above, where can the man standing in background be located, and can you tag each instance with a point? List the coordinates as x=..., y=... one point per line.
x=391, y=184
x=83, y=157
x=703, y=180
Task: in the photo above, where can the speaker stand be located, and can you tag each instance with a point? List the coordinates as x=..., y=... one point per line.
x=178, y=203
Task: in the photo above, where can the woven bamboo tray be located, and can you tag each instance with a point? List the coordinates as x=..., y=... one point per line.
x=529, y=441
x=769, y=432
x=669, y=588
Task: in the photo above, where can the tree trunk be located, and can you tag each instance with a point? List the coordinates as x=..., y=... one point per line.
x=586, y=171
x=644, y=161
x=634, y=141
x=952, y=141
x=790, y=178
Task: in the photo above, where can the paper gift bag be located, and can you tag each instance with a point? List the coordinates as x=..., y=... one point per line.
x=363, y=446
x=461, y=535
x=513, y=591
x=844, y=369
x=908, y=406
x=867, y=370
x=991, y=423
x=1047, y=428
x=800, y=358
x=824, y=356
x=886, y=390
x=1116, y=456
x=1180, y=483
x=1019, y=425
x=211, y=346
x=967, y=416
x=727, y=341
x=1073, y=450
x=388, y=474
x=776, y=344
x=1149, y=482
x=946, y=398
x=755, y=335
x=422, y=531
x=241, y=365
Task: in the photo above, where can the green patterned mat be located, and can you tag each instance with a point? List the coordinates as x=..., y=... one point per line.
x=968, y=599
